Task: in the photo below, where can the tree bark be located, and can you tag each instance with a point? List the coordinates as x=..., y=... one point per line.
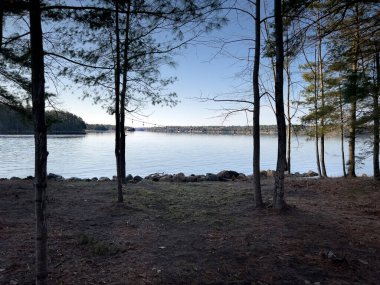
x=352, y=129
x=123, y=94
x=256, y=112
x=316, y=118
x=117, y=109
x=278, y=195
x=1, y=23
x=376, y=123
x=342, y=135
x=321, y=80
x=40, y=139
x=289, y=119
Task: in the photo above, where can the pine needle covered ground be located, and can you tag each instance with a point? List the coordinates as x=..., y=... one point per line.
x=192, y=233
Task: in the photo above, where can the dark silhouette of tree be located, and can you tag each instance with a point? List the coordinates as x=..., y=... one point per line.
x=256, y=110
x=38, y=99
x=278, y=194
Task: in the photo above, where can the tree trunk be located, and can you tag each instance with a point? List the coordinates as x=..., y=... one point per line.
x=256, y=112
x=321, y=80
x=316, y=119
x=352, y=140
x=117, y=109
x=342, y=135
x=352, y=129
x=376, y=123
x=289, y=119
x=40, y=139
x=1, y=23
x=123, y=95
x=278, y=195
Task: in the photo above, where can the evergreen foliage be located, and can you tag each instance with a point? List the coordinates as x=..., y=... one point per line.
x=58, y=122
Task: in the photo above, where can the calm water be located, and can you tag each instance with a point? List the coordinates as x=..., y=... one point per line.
x=93, y=154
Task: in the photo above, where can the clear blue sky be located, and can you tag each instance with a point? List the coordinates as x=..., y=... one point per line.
x=201, y=72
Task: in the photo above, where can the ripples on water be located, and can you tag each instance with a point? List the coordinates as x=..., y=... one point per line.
x=90, y=155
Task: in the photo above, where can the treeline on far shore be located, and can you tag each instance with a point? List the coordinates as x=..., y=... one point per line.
x=58, y=122
x=226, y=130
x=307, y=130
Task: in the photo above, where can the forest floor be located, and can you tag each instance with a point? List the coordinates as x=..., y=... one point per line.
x=195, y=233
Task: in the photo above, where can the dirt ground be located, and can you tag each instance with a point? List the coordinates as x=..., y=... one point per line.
x=195, y=233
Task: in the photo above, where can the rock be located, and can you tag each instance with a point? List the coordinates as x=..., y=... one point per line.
x=270, y=173
x=129, y=178
x=74, y=179
x=192, y=178
x=52, y=176
x=179, y=177
x=202, y=178
x=311, y=173
x=242, y=177
x=103, y=179
x=166, y=178
x=154, y=177
x=297, y=174
x=212, y=177
x=227, y=175
x=137, y=179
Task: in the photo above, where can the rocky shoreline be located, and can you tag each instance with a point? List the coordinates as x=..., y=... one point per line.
x=225, y=175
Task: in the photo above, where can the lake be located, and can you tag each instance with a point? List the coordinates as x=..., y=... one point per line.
x=92, y=155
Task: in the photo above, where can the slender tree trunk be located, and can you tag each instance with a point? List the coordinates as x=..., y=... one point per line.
x=316, y=119
x=123, y=95
x=278, y=195
x=342, y=135
x=40, y=139
x=117, y=109
x=352, y=129
x=256, y=112
x=352, y=140
x=1, y=23
x=376, y=123
x=321, y=80
x=289, y=119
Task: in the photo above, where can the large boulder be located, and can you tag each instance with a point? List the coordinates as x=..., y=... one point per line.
x=137, y=179
x=129, y=178
x=103, y=179
x=74, y=179
x=192, y=178
x=179, y=177
x=242, y=177
x=211, y=177
x=56, y=177
x=166, y=178
x=311, y=173
x=154, y=177
x=227, y=175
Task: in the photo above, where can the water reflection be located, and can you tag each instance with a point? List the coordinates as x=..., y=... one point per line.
x=93, y=154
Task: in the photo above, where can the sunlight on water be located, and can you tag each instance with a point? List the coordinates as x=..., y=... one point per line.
x=91, y=155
